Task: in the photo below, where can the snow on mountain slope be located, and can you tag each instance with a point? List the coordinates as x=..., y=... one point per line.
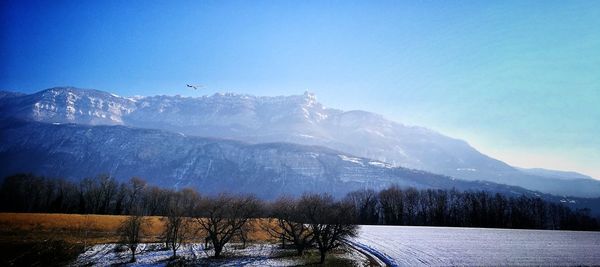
x=69, y=105
x=297, y=119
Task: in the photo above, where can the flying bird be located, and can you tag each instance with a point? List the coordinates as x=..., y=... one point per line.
x=193, y=86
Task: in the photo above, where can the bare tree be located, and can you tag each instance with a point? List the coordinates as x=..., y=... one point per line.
x=189, y=200
x=330, y=221
x=155, y=200
x=365, y=203
x=177, y=227
x=90, y=195
x=120, y=198
x=131, y=233
x=244, y=232
x=286, y=222
x=107, y=189
x=223, y=216
x=135, y=190
x=411, y=204
x=392, y=205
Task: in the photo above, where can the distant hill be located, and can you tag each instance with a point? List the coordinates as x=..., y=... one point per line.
x=555, y=174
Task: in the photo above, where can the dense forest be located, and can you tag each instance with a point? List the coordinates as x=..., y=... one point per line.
x=391, y=206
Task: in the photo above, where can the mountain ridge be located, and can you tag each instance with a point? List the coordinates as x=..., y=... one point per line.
x=297, y=119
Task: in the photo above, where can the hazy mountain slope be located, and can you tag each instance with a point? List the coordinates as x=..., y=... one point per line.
x=210, y=165
x=555, y=174
x=297, y=119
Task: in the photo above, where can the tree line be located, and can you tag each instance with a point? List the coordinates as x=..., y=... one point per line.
x=435, y=207
x=391, y=206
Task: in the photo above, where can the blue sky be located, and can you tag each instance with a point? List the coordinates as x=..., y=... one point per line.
x=519, y=80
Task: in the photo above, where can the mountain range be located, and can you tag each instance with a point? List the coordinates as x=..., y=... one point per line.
x=264, y=127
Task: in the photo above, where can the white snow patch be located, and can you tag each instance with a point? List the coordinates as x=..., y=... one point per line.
x=351, y=159
x=313, y=155
x=320, y=116
x=375, y=132
x=380, y=164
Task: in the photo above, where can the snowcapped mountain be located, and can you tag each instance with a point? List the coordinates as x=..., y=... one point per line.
x=297, y=119
x=68, y=104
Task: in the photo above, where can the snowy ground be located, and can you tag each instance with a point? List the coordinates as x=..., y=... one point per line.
x=445, y=246
x=152, y=254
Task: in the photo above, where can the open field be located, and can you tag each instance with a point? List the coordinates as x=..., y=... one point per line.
x=448, y=246
x=92, y=229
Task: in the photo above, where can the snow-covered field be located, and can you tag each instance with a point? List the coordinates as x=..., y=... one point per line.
x=445, y=246
x=152, y=254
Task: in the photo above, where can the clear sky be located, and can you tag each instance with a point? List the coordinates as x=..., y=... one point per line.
x=519, y=80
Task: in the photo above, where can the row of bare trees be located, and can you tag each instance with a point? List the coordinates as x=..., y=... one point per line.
x=430, y=207
x=98, y=195
x=312, y=221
